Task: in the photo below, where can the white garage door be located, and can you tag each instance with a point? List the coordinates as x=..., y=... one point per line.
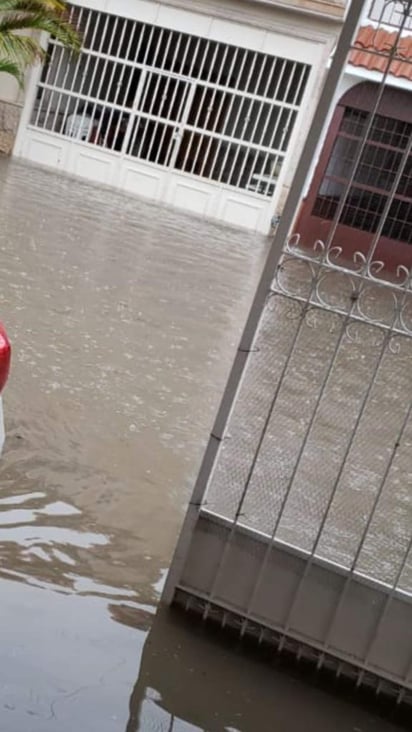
x=183, y=119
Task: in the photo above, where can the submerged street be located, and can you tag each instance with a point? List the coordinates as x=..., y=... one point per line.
x=124, y=318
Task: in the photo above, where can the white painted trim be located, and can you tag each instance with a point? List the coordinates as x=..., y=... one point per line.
x=271, y=18
x=363, y=74
x=33, y=79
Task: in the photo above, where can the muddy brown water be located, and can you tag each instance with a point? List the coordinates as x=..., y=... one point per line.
x=124, y=318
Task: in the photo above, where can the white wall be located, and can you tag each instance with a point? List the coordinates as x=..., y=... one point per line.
x=9, y=90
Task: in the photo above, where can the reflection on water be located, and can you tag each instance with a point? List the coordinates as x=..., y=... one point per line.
x=124, y=318
x=79, y=663
x=186, y=682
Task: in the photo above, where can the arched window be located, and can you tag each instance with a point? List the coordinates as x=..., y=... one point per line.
x=374, y=177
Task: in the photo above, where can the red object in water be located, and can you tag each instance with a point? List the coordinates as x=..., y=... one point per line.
x=5, y=356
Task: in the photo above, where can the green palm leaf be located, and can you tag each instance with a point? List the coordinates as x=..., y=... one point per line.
x=8, y=67
x=55, y=6
x=17, y=16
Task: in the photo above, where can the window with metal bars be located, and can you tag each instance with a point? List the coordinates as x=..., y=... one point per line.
x=374, y=176
x=206, y=108
x=389, y=12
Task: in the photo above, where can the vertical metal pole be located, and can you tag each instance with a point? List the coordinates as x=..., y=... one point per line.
x=249, y=333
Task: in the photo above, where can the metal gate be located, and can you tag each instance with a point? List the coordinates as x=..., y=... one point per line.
x=169, y=115
x=299, y=532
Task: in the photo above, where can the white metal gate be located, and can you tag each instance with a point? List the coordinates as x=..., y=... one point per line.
x=299, y=532
x=173, y=116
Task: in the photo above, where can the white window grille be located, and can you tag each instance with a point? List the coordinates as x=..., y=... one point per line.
x=210, y=109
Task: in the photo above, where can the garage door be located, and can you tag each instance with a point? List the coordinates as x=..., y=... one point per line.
x=180, y=118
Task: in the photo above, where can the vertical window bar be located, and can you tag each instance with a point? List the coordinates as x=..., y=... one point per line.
x=258, y=112
x=166, y=117
x=184, y=55
x=263, y=102
x=247, y=110
x=133, y=69
x=82, y=56
x=182, y=104
x=201, y=136
x=212, y=137
x=55, y=50
x=280, y=121
x=200, y=72
x=158, y=78
x=152, y=75
x=210, y=107
x=184, y=112
x=53, y=103
x=269, y=148
x=200, y=107
x=142, y=102
x=282, y=73
x=289, y=123
x=194, y=57
x=258, y=151
x=46, y=94
x=177, y=86
x=162, y=65
x=134, y=120
x=151, y=64
x=81, y=70
x=300, y=85
x=238, y=116
x=134, y=66
x=113, y=36
x=131, y=39
x=63, y=86
x=65, y=113
x=102, y=72
x=37, y=110
x=230, y=109
x=232, y=94
x=148, y=43
x=290, y=81
x=89, y=90
x=119, y=84
x=158, y=57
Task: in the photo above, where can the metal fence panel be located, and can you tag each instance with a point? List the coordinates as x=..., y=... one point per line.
x=300, y=526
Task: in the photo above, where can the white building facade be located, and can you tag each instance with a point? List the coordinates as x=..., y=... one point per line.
x=198, y=105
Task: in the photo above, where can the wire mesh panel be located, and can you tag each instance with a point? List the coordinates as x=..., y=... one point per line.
x=304, y=522
x=202, y=107
x=317, y=451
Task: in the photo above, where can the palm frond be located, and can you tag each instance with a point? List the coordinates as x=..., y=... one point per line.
x=12, y=68
x=56, y=26
x=20, y=49
x=33, y=6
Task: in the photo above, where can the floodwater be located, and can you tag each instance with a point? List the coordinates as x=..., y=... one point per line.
x=124, y=318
